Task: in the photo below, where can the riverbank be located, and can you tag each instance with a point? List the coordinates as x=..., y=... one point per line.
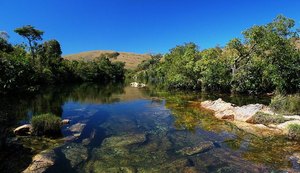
x=248, y=118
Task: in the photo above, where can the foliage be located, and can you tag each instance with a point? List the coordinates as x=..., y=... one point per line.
x=46, y=124
x=294, y=131
x=21, y=71
x=266, y=119
x=214, y=70
x=289, y=104
x=265, y=60
x=32, y=35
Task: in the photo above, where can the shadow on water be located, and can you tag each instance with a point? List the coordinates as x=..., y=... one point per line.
x=18, y=109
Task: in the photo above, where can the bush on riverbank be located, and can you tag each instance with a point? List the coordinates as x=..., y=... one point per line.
x=266, y=119
x=294, y=131
x=46, y=124
x=289, y=104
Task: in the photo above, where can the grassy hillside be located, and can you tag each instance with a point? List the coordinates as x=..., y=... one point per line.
x=298, y=44
x=131, y=59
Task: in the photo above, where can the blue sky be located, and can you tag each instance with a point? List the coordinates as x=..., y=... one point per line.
x=141, y=26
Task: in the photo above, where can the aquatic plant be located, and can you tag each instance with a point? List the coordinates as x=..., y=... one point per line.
x=294, y=131
x=263, y=118
x=46, y=124
x=289, y=104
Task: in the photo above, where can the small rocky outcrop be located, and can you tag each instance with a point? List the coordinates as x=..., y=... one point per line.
x=137, y=85
x=23, y=130
x=41, y=162
x=242, y=117
x=224, y=110
x=201, y=147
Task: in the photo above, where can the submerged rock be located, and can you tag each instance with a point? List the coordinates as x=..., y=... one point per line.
x=25, y=129
x=124, y=140
x=78, y=127
x=201, y=147
x=295, y=160
x=75, y=153
x=41, y=162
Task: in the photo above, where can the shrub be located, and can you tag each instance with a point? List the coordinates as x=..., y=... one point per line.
x=289, y=104
x=46, y=124
x=294, y=131
x=266, y=119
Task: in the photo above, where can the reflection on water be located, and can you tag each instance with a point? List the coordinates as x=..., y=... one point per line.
x=115, y=128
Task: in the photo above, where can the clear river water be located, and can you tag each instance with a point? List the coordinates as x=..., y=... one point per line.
x=117, y=128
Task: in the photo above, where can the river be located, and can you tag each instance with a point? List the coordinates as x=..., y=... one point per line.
x=117, y=128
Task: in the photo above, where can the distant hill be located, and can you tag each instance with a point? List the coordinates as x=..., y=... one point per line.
x=131, y=59
x=298, y=44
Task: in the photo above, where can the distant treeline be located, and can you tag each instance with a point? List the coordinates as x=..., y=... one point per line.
x=265, y=60
x=27, y=66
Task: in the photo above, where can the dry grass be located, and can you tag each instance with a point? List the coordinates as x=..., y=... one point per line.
x=298, y=44
x=131, y=59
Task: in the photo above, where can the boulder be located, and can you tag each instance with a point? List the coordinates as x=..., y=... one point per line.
x=137, y=85
x=65, y=121
x=224, y=110
x=25, y=129
x=77, y=128
x=244, y=113
x=134, y=84
x=41, y=162
x=201, y=147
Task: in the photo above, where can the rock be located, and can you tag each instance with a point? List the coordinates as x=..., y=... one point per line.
x=224, y=110
x=41, y=162
x=69, y=138
x=86, y=141
x=124, y=140
x=284, y=126
x=65, y=121
x=245, y=113
x=201, y=147
x=142, y=85
x=25, y=129
x=75, y=153
x=137, y=85
x=295, y=160
x=243, y=117
x=220, y=107
x=257, y=129
x=78, y=127
x=292, y=117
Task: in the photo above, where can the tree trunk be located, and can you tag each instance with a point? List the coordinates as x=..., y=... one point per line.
x=31, y=51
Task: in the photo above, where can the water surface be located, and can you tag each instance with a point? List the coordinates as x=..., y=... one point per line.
x=116, y=128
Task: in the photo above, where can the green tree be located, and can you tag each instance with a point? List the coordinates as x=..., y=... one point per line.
x=4, y=45
x=32, y=35
x=50, y=53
